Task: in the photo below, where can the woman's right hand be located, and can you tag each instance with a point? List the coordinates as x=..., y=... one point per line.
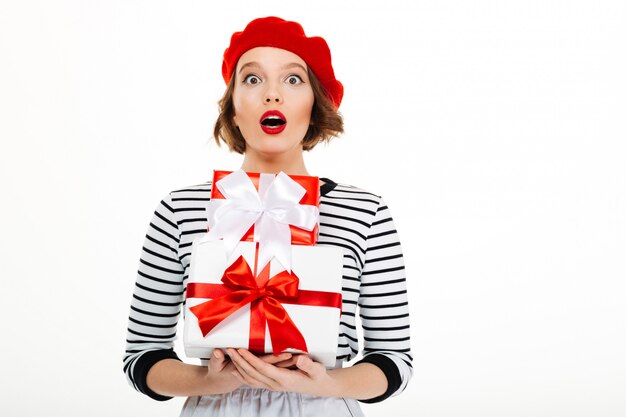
x=219, y=373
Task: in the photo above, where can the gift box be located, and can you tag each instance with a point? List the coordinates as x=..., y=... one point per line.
x=276, y=210
x=311, y=185
x=229, y=304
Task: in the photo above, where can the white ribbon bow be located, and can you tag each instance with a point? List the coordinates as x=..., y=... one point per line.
x=271, y=210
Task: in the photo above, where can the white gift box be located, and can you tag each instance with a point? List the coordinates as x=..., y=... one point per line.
x=319, y=268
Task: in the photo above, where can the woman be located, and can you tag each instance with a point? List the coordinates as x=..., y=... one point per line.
x=282, y=98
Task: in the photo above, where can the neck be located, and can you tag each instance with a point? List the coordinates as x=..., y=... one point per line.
x=289, y=164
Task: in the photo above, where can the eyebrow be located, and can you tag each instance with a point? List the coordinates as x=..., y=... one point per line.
x=255, y=64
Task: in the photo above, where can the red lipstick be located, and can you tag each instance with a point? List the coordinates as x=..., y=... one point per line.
x=273, y=122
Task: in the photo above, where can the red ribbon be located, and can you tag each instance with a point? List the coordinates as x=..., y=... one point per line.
x=241, y=288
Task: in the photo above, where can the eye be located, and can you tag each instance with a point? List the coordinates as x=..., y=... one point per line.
x=251, y=79
x=294, y=79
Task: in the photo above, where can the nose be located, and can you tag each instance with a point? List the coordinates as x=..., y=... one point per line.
x=272, y=94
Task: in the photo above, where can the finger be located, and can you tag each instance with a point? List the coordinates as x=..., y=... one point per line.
x=218, y=360
x=308, y=366
x=275, y=374
x=245, y=378
x=273, y=359
x=254, y=368
x=289, y=363
x=237, y=375
x=236, y=362
x=244, y=381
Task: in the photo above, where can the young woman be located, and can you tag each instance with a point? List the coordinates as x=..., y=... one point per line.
x=282, y=99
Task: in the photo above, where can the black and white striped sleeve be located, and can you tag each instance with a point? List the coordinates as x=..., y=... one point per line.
x=156, y=301
x=383, y=305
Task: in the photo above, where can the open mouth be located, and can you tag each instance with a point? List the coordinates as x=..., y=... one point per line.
x=273, y=122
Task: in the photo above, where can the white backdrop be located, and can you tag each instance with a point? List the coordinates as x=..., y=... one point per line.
x=494, y=130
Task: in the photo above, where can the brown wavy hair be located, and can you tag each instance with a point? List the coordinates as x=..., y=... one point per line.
x=326, y=121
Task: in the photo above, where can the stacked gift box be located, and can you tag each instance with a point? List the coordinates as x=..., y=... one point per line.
x=257, y=280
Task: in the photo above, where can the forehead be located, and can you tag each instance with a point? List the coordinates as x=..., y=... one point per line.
x=269, y=58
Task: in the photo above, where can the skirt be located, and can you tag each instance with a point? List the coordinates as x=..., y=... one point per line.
x=247, y=401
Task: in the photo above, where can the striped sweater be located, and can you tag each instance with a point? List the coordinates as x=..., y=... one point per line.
x=373, y=279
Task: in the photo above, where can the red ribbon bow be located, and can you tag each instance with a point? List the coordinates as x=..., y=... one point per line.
x=241, y=288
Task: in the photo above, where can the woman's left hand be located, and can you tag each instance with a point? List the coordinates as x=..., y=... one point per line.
x=309, y=377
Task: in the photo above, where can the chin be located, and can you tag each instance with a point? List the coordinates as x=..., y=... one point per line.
x=275, y=151
x=275, y=146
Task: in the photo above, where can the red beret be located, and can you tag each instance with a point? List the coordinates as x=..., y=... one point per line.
x=278, y=33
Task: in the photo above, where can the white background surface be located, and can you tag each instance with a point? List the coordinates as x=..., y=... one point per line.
x=494, y=130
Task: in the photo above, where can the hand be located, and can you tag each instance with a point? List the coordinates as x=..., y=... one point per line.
x=309, y=377
x=220, y=371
